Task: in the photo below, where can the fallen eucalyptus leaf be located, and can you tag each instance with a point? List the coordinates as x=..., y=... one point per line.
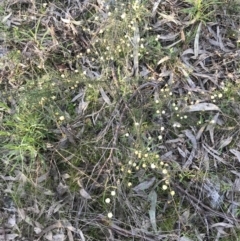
x=236, y=153
x=144, y=185
x=71, y=21
x=201, y=107
x=105, y=97
x=152, y=212
x=85, y=194
x=225, y=142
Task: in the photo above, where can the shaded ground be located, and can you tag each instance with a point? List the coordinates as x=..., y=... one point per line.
x=119, y=120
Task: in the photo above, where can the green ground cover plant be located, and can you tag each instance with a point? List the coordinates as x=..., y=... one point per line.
x=119, y=120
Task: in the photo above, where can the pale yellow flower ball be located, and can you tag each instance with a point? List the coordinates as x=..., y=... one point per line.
x=164, y=187
x=153, y=166
x=172, y=193
x=164, y=171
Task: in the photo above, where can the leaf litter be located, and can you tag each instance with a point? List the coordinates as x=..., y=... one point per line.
x=204, y=64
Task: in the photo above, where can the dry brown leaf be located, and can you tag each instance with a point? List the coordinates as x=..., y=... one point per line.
x=81, y=95
x=8, y=178
x=52, y=208
x=175, y=140
x=80, y=233
x=201, y=107
x=6, y=17
x=187, y=51
x=182, y=153
x=225, y=142
x=11, y=222
x=61, y=189
x=170, y=18
x=189, y=80
x=144, y=185
x=236, y=185
x=57, y=208
x=82, y=107
x=184, y=238
x=196, y=41
x=169, y=37
x=190, y=159
x=213, y=153
x=173, y=44
x=58, y=237
x=236, y=153
x=68, y=21
x=219, y=38
x=222, y=224
x=183, y=38
x=200, y=132
x=191, y=137
x=152, y=197
x=136, y=39
x=42, y=178
x=48, y=230
x=8, y=237
x=104, y=96
x=85, y=194
x=21, y=214
x=187, y=23
x=70, y=236
x=37, y=230
x=211, y=77
x=164, y=59
x=155, y=7
x=167, y=156
x=212, y=126
x=184, y=217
